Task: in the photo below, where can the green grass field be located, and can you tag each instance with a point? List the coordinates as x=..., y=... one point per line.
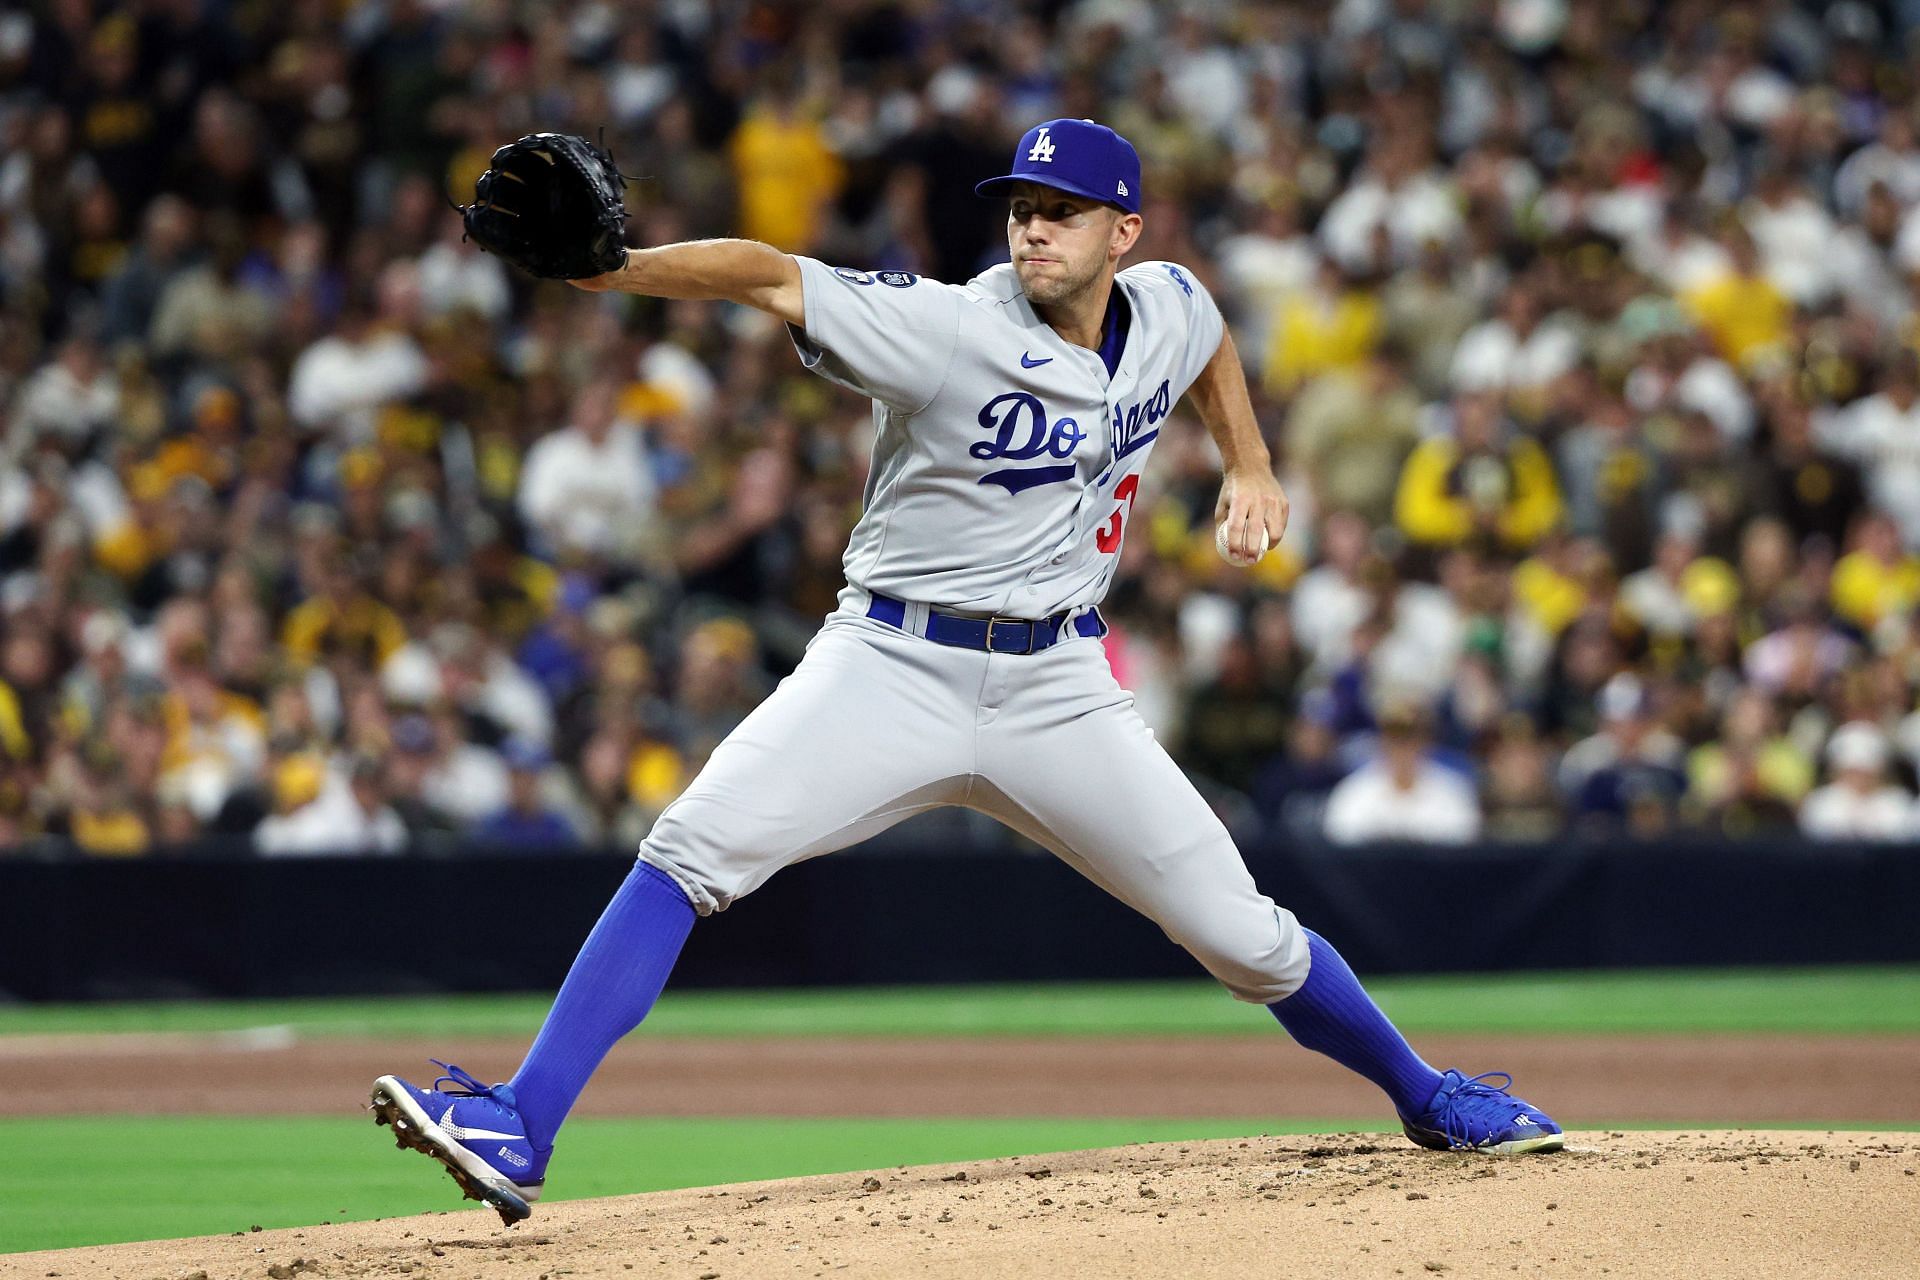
x=111, y=1178
x=105, y=1179
x=1862, y=1000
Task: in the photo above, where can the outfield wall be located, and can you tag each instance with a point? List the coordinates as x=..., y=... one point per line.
x=909, y=909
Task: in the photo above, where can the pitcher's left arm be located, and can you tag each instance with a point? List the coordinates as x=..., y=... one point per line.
x=1251, y=499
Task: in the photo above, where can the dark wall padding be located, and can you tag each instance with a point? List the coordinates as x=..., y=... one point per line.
x=908, y=911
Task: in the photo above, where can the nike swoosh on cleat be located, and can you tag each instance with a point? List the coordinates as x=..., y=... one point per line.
x=1028, y=362
x=461, y=1134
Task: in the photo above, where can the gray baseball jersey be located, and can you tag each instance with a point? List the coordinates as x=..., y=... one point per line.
x=1004, y=468
x=1006, y=459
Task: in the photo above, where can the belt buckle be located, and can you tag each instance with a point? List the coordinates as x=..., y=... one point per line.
x=997, y=621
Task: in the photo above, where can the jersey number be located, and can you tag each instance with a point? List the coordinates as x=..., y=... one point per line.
x=1108, y=539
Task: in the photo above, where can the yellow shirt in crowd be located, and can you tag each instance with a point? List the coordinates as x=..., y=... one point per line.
x=118, y=833
x=786, y=174
x=1312, y=337
x=1866, y=589
x=1547, y=596
x=356, y=623
x=1435, y=506
x=1744, y=315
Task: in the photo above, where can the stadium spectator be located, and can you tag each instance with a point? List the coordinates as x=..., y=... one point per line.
x=369, y=359
x=1351, y=429
x=1615, y=484
x=1291, y=791
x=1799, y=657
x=1751, y=778
x=1263, y=264
x=105, y=821
x=1397, y=202
x=527, y=819
x=1858, y=803
x=67, y=398
x=1481, y=479
x=1329, y=325
x=407, y=766
x=319, y=810
x=1816, y=492
x=588, y=488
x=1516, y=354
x=1329, y=600
x=1425, y=310
x=342, y=616
x=1746, y=315
x=1519, y=797
x=1877, y=579
x=784, y=169
x=1881, y=433
x=1628, y=772
x=1674, y=371
x=1891, y=161
x=465, y=779
x=1403, y=794
x=1670, y=596
x=1239, y=719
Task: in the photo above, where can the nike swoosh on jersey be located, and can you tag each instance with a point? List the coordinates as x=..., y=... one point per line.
x=1028, y=362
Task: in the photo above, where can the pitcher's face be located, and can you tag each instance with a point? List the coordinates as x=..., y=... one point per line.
x=1061, y=243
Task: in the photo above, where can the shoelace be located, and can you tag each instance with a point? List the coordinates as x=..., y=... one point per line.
x=1471, y=1100
x=500, y=1095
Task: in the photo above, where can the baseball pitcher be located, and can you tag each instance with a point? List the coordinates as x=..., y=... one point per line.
x=1013, y=418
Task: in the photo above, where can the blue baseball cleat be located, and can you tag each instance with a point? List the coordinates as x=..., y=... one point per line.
x=1469, y=1115
x=471, y=1129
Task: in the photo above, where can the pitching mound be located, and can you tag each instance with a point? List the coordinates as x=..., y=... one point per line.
x=1744, y=1204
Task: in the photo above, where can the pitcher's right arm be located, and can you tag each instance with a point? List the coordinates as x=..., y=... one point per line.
x=744, y=271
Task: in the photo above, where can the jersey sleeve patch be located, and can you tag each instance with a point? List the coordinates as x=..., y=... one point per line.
x=893, y=343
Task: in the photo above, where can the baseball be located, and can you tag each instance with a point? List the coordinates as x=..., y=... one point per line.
x=1220, y=545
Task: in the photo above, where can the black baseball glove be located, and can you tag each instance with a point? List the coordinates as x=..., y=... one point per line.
x=551, y=204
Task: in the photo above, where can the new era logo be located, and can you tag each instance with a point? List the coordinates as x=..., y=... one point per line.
x=1123, y=188
x=1042, y=150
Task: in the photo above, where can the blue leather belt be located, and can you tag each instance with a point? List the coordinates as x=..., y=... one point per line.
x=991, y=635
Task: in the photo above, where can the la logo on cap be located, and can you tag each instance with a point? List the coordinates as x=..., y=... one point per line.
x=1042, y=147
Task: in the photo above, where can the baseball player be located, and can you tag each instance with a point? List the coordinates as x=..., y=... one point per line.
x=1014, y=416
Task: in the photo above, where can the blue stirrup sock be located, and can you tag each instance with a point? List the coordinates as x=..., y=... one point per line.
x=1332, y=1014
x=610, y=989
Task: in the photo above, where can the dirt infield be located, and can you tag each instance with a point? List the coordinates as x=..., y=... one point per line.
x=1636, y=1204
x=1712, y=1080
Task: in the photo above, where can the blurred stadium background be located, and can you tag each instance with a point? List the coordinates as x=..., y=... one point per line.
x=1586, y=335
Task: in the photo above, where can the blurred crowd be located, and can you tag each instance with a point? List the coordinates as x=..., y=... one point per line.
x=1586, y=334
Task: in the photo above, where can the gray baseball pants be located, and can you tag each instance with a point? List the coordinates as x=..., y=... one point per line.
x=877, y=724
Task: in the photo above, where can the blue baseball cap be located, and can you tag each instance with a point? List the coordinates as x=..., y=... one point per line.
x=1080, y=156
